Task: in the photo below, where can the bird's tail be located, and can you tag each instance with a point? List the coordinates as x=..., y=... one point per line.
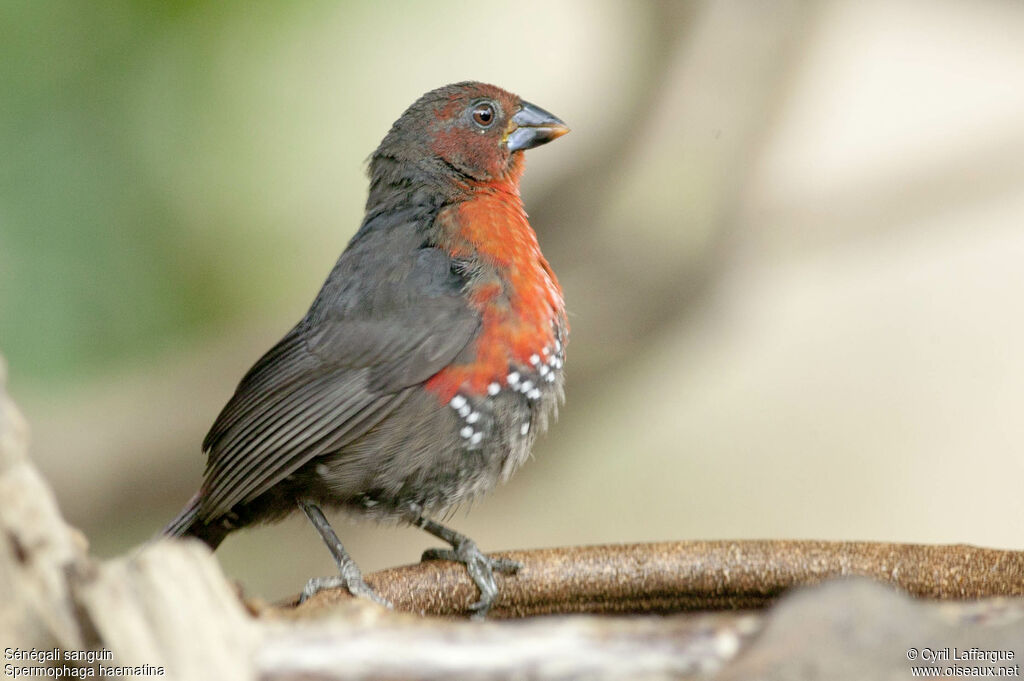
x=188, y=524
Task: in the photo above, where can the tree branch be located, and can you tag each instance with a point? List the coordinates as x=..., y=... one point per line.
x=697, y=575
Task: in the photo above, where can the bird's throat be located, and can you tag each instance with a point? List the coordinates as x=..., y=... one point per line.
x=512, y=286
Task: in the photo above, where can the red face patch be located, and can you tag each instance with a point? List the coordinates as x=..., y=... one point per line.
x=475, y=144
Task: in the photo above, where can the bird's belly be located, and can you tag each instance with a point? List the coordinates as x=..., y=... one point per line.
x=436, y=456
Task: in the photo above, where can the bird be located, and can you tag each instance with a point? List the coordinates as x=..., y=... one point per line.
x=427, y=364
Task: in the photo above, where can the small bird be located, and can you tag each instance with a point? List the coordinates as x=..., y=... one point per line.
x=428, y=362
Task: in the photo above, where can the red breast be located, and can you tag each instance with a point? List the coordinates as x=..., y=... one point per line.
x=516, y=292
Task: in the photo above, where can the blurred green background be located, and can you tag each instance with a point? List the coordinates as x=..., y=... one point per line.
x=791, y=237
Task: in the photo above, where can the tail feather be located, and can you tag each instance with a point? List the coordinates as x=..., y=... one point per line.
x=188, y=524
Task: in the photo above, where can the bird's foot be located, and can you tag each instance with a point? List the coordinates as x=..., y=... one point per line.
x=348, y=575
x=481, y=570
x=354, y=583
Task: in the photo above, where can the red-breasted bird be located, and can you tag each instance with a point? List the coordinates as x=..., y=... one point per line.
x=427, y=364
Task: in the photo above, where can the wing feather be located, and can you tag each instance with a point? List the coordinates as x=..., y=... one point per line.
x=390, y=315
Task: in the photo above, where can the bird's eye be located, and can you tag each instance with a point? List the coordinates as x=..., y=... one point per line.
x=483, y=115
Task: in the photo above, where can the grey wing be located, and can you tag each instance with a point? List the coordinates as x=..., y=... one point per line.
x=369, y=336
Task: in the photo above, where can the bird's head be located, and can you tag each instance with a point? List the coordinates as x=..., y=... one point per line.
x=464, y=131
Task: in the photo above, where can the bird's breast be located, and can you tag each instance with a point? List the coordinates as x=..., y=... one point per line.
x=523, y=331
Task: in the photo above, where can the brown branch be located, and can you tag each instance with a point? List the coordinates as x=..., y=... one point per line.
x=699, y=575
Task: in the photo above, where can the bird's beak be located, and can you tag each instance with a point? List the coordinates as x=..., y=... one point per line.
x=532, y=126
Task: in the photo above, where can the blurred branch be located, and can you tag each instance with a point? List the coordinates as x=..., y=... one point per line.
x=590, y=648
x=980, y=173
x=641, y=234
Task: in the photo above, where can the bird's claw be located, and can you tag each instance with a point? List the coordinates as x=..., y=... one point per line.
x=481, y=570
x=355, y=585
x=506, y=566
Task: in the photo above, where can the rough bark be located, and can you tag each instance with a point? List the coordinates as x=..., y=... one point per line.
x=671, y=577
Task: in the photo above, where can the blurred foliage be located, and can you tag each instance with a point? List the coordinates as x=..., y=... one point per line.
x=99, y=259
x=78, y=289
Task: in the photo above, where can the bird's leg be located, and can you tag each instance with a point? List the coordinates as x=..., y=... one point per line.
x=349, y=575
x=464, y=550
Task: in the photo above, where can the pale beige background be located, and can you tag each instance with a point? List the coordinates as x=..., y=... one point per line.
x=791, y=237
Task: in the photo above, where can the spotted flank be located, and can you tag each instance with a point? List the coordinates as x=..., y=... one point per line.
x=534, y=379
x=473, y=422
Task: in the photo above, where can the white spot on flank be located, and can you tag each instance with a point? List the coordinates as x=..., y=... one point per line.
x=546, y=351
x=513, y=378
x=473, y=418
x=477, y=436
x=544, y=369
x=493, y=389
x=464, y=411
x=550, y=378
x=534, y=394
x=457, y=402
x=526, y=386
x=525, y=429
x=321, y=470
x=466, y=431
x=558, y=346
x=534, y=359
